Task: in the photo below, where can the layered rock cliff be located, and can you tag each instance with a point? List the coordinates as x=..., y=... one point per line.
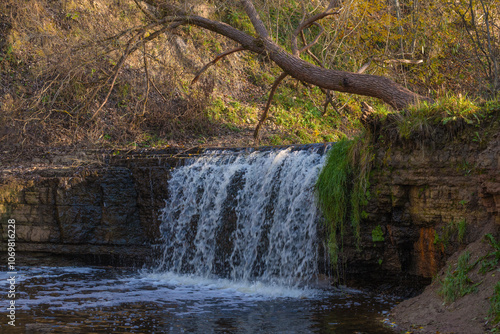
x=102, y=213
x=428, y=203
x=425, y=204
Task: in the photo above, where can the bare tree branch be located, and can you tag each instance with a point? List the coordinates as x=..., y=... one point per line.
x=263, y=117
x=361, y=84
x=145, y=12
x=327, y=79
x=255, y=19
x=476, y=42
x=131, y=47
x=300, y=30
x=494, y=60
x=131, y=43
x=214, y=61
x=147, y=78
x=315, y=40
x=306, y=23
x=313, y=56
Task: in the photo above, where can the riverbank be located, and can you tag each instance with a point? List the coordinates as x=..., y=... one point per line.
x=471, y=313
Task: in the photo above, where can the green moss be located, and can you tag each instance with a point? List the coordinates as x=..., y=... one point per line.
x=332, y=187
x=342, y=189
x=377, y=234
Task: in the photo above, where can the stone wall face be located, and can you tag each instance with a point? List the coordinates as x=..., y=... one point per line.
x=421, y=198
x=109, y=214
x=102, y=215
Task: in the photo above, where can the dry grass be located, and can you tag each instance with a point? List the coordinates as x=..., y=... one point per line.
x=59, y=61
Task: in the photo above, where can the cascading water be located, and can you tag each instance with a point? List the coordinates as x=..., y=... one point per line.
x=245, y=217
x=240, y=241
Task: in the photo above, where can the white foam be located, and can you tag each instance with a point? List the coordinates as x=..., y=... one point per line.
x=83, y=288
x=225, y=287
x=271, y=235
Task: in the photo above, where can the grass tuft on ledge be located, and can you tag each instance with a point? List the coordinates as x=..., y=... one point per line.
x=342, y=189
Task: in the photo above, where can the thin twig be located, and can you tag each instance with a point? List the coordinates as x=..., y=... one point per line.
x=313, y=56
x=315, y=40
x=148, y=15
x=214, y=61
x=116, y=71
x=399, y=61
x=306, y=23
x=40, y=95
x=490, y=49
x=134, y=29
x=147, y=78
x=182, y=152
x=107, y=39
x=268, y=105
x=157, y=90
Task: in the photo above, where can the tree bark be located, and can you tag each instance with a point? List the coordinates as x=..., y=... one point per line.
x=341, y=81
x=379, y=87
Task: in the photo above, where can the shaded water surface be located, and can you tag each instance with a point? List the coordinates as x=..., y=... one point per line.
x=106, y=300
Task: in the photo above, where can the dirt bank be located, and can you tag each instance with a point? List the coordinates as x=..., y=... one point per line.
x=428, y=313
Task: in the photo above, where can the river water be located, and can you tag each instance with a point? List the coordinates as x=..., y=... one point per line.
x=240, y=253
x=113, y=300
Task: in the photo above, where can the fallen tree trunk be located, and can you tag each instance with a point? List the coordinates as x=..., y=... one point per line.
x=165, y=17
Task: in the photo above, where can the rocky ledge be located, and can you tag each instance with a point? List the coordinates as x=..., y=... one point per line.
x=425, y=205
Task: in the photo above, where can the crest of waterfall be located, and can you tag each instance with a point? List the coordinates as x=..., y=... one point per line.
x=244, y=216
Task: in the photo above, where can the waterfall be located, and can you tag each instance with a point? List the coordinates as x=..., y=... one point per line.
x=244, y=216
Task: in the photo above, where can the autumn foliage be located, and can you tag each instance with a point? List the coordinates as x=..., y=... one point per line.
x=58, y=60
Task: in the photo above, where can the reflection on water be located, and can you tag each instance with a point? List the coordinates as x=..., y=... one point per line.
x=110, y=300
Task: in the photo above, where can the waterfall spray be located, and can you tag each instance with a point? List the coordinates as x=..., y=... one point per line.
x=244, y=216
